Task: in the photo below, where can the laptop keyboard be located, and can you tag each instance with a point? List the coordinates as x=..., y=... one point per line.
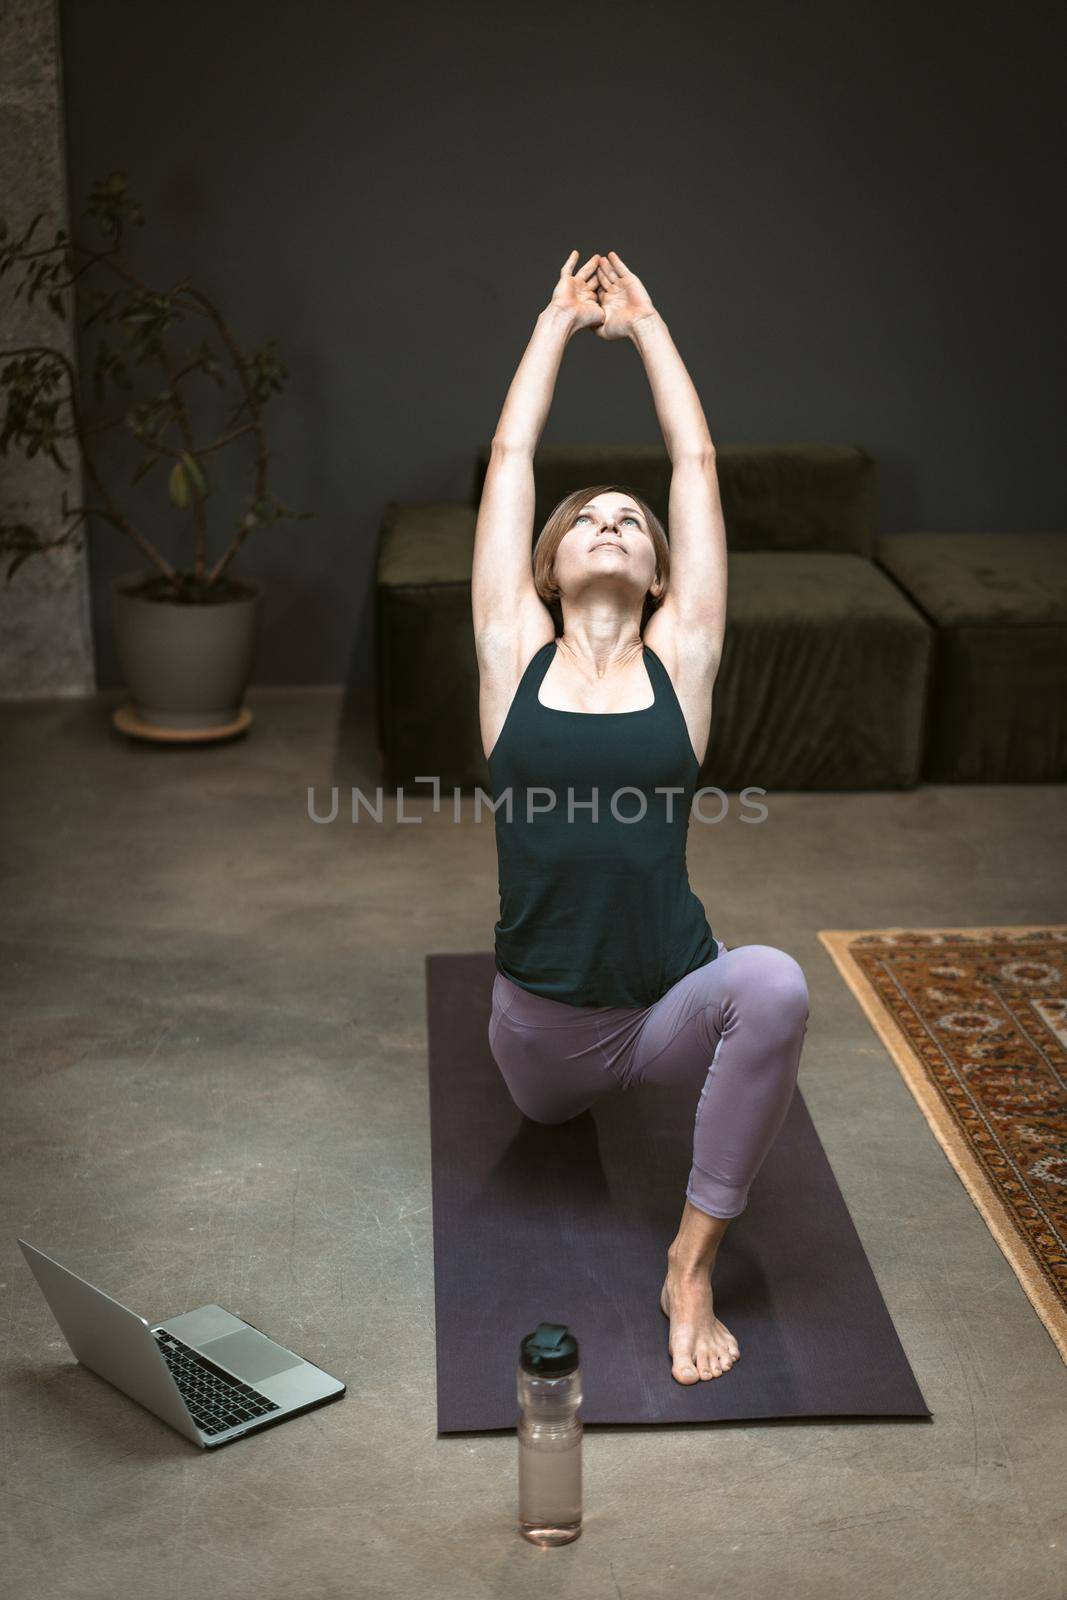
x=216, y=1400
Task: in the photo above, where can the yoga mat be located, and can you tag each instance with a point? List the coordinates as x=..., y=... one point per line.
x=570, y=1223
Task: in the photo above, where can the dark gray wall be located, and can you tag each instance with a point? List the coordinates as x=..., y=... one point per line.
x=843, y=212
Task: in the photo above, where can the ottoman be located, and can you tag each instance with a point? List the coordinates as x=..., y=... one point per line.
x=998, y=602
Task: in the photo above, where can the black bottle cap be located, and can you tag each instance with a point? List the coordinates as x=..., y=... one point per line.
x=549, y=1351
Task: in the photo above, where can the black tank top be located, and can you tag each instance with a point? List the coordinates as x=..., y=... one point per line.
x=596, y=913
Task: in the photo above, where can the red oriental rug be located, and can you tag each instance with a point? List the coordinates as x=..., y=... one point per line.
x=975, y=1020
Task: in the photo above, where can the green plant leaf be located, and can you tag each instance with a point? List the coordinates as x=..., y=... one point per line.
x=179, y=486
x=193, y=468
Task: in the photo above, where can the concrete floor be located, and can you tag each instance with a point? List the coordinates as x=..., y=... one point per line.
x=214, y=1088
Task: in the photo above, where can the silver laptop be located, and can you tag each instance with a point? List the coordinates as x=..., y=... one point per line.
x=209, y=1374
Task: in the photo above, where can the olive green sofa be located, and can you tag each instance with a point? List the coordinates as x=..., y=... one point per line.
x=826, y=662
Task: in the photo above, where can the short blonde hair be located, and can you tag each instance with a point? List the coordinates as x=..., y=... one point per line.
x=560, y=522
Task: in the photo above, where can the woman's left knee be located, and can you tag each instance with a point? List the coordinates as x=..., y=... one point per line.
x=775, y=981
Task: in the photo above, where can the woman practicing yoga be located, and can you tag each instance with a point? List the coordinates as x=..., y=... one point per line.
x=608, y=974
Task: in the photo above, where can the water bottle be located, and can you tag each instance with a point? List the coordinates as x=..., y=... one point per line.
x=549, y=1388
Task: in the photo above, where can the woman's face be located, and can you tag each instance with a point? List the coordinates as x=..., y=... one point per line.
x=608, y=539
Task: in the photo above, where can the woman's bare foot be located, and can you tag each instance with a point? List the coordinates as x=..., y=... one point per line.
x=700, y=1345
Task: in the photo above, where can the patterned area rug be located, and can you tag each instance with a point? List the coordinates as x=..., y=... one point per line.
x=976, y=1021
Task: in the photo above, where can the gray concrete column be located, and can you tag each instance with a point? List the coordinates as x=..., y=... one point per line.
x=45, y=625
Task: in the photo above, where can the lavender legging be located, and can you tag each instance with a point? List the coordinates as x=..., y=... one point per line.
x=735, y=1026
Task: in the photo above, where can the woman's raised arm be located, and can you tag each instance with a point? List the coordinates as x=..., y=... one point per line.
x=690, y=623
x=507, y=609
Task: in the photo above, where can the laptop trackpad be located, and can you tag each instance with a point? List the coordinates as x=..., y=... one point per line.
x=250, y=1355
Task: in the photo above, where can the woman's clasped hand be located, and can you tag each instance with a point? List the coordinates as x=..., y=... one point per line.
x=603, y=294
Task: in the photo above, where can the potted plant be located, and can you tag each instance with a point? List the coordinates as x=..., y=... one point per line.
x=185, y=635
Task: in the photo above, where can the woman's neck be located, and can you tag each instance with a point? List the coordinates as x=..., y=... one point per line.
x=597, y=646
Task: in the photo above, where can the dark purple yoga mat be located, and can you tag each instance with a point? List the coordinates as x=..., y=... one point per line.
x=570, y=1223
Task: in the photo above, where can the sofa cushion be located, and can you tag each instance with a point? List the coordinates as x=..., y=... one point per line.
x=998, y=705
x=774, y=497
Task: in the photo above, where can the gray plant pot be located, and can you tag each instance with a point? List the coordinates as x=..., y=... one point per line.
x=186, y=666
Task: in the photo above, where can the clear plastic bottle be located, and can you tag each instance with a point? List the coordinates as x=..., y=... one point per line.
x=549, y=1389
